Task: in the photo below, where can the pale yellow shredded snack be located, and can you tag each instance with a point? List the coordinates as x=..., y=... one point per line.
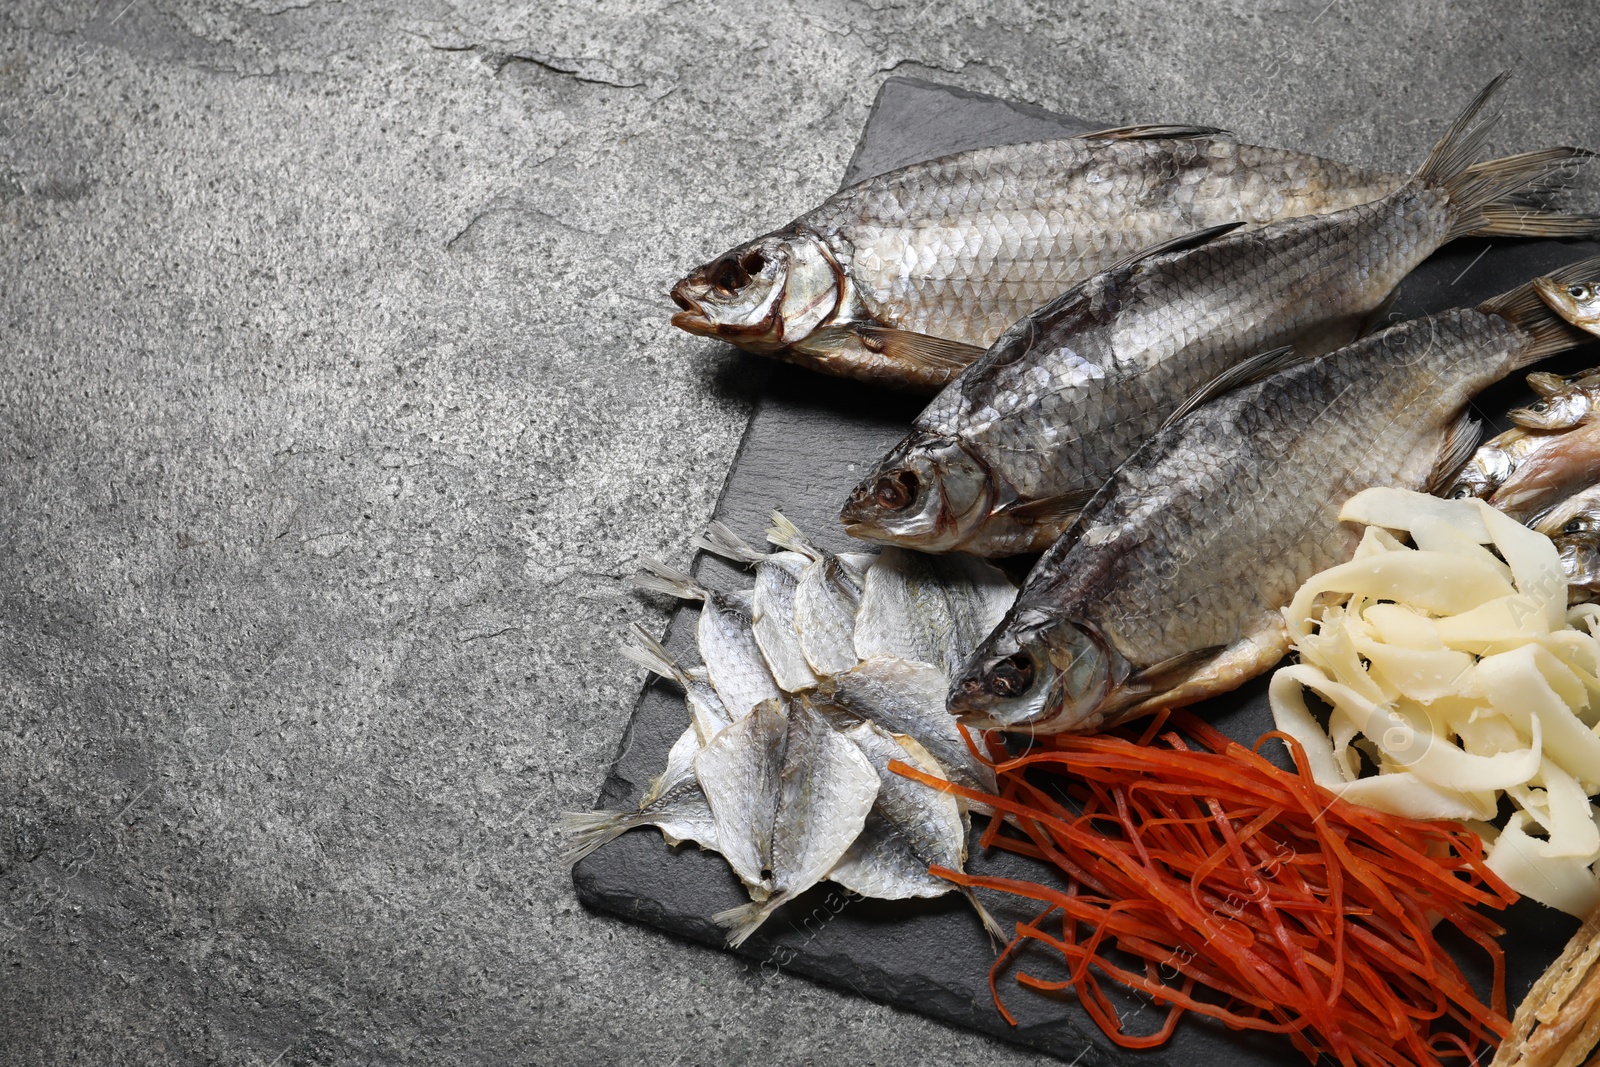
x=1460, y=673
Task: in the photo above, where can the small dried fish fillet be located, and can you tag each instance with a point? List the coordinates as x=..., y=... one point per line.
x=674, y=804
x=907, y=698
x=739, y=772
x=823, y=796
x=1558, y=1022
x=826, y=604
x=706, y=710
x=909, y=829
x=733, y=659
x=772, y=603
x=929, y=609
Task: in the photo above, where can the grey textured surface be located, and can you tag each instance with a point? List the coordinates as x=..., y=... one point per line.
x=337, y=399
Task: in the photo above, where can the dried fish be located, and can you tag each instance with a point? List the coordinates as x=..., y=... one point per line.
x=818, y=800
x=1169, y=588
x=908, y=698
x=929, y=609
x=1495, y=460
x=772, y=603
x=1551, y=474
x=905, y=278
x=826, y=600
x=1004, y=458
x=1563, y=402
x=733, y=659
x=706, y=711
x=910, y=828
x=674, y=803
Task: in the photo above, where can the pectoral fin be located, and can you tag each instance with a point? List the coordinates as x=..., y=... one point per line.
x=1050, y=510
x=917, y=349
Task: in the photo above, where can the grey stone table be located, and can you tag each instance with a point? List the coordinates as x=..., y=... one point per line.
x=337, y=399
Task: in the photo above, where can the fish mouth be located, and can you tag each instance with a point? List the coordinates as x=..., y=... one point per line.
x=693, y=318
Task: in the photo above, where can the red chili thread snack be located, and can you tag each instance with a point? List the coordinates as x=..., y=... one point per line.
x=1246, y=893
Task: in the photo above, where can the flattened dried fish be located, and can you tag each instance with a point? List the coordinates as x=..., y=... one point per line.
x=1005, y=456
x=907, y=698
x=911, y=827
x=706, y=710
x=772, y=603
x=929, y=609
x=905, y=278
x=674, y=804
x=826, y=600
x=1169, y=588
x=819, y=803
x=739, y=772
x=723, y=633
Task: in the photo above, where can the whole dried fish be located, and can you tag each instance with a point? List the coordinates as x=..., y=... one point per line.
x=1169, y=587
x=817, y=786
x=1563, y=402
x=733, y=659
x=929, y=609
x=1495, y=460
x=772, y=603
x=907, y=698
x=909, y=829
x=905, y=278
x=1005, y=456
x=1551, y=474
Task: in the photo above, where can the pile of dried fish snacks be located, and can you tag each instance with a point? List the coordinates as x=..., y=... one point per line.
x=1200, y=877
x=815, y=679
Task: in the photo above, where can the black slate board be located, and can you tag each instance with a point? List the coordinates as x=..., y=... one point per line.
x=807, y=442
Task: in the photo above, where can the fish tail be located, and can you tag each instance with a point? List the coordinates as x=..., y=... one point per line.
x=720, y=540
x=656, y=577
x=743, y=921
x=591, y=829
x=787, y=535
x=997, y=933
x=1500, y=196
x=650, y=654
x=1525, y=309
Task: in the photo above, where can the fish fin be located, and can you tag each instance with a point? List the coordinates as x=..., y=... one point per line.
x=917, y=349
x=720, y=540
x=743, y=921
x=786, y=535
x=1240, y=374
x=1377, y=318
x=1181, y=243
x=1496, y=196
x=652, y=655
x=656, y=577
x=1546, y=384
x=1459, y=445
x=1154, y=131
x=1162, y=676
x=997, y=933
x=1049, y=510
x=591, y=829
x=1525, y=309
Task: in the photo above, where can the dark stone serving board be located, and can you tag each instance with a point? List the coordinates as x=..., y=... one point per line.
x=807, y=443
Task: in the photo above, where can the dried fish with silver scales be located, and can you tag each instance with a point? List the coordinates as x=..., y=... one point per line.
x=905, y=278
x=1169, y=587
x=1006, y=455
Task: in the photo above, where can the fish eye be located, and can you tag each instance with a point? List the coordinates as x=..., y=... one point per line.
x=896, y=491
x=1573, y=527
x=1578, y=292
x=1011, y=676
x=1539, y=406
x=1461, y=491
x=728, y=276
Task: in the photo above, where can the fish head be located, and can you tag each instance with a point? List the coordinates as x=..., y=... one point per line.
x=1560, y=410
x=1577, y=302
x=1483, y=474
x=1041, y=675
x=765, y=295
x=930, y=493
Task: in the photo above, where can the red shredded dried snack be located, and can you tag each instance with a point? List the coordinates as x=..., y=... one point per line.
x=1247, y=894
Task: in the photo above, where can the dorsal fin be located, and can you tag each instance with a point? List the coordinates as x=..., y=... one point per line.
x=1459, y=445
x=1183, y=243
x=1153, y=132
x=1240, y=374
